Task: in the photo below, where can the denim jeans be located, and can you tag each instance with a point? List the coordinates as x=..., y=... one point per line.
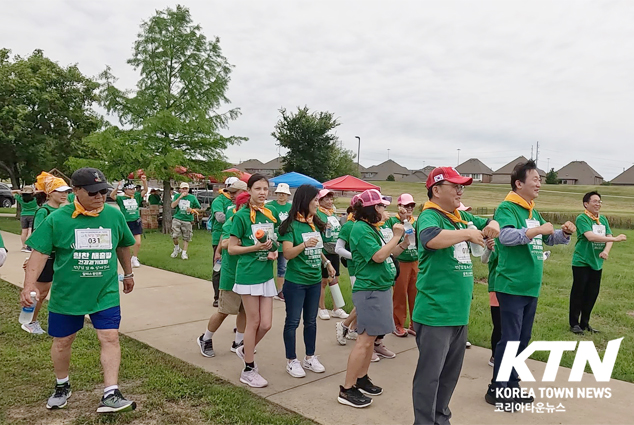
x=298, y=298
x=517, y=314
x=281, y=265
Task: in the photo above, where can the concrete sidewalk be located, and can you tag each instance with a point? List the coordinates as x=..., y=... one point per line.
x=169, y=311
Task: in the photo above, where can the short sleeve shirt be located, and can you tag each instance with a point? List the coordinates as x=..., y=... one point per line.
x=305, y=269
x=344, y=235
x=130, y=206
x=85, y=279
x=365, y=241
x=280, y=212
x=520, y=268
x=219, y=204
x=333, y=227
x=154, y=200
x=445, y=279
x=1, y=242
x=410, y=254
x=188, y=201
x=28, y=208
x=229, y=262
x=586, y=252
x=41, y=214
x=253, y=267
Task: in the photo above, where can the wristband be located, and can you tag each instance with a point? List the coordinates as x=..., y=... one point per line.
x=326, y=263
x=128, y=276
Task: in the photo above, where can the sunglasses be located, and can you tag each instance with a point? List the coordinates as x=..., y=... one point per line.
x=99, y=192
x=409, y=206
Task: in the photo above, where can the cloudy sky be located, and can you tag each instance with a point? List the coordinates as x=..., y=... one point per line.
x=422, y=79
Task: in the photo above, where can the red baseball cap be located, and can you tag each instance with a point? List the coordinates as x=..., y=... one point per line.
x=449, y=174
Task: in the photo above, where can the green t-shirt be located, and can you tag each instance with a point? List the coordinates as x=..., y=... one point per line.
x=520, y=268
x=130, y=206
x=333, y=227
x=445, y=278
x=365, y=241
x=220, y=204
x=229, y=262
x=280, y=212
x=1, y=242
x=344, y=235
x=305, y=269
x=492, y=265
x=253, y=267
x=154, y=199
x=28, y=208
x=41, y=214
x=71, y=198
x=586, y=252
x=410, y=254
x=85, y=279
x=188, y=201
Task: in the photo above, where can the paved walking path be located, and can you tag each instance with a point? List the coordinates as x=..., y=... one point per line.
x=169, y=311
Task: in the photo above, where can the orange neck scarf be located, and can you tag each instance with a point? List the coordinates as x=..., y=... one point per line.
x=225, y=192
x=377, y=225
x=350, y=217
x=453, y=216
x=308, y=220
x=593, y=217
x=411, y=219
x=264, y=210
x=518, y=200
x=328, y=212
x=80, y=210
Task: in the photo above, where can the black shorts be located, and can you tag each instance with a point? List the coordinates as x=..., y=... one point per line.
x=334, y=260
x=47, y=273
x=136, y=227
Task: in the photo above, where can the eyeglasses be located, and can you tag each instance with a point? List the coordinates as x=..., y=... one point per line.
x=380, y=205
x=99, y=192
x=459, y=188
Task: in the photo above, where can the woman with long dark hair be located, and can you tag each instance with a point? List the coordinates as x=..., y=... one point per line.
x=252, y=241
x=375, y=272
x=302, y=242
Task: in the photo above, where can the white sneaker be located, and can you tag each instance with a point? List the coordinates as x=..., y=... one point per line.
x=339, y=313
x=253, y=379
x=294, y=368
x=352, y=335
x=184, y=255
x=177, y=250
x=313, y=364
x=468, y=344
x=33, y=328
x=135, y=262
x=323, y=314
x=341, y=333
x=375, y=357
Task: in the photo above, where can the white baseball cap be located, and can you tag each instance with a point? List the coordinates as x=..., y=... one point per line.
x=230, y=181
x=184, y=185
x=283, y=188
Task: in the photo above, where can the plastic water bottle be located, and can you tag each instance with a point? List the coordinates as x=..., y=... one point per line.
x=476, y=250
x=26, y=314
x=409, y=231
x=217, y=265
x=120, y=276
x=328, y=231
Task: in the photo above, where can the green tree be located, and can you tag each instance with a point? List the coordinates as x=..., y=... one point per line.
x=310, y=142
x=551, y=177
x=45, y=112
x=390, y=178
x=173, y=117
x=343, y=161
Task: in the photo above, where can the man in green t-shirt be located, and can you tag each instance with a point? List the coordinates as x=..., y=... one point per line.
x=88, y=237
x=444, y=290
x=519, y=272
x=129, y=204
x=219, y=207
x=28, y=206
x=186, y=206
x=280, y=208
x=594, y=242
x=155, y=197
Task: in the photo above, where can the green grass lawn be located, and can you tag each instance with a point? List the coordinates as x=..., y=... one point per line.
x=10, y=224
x=167, y=390
x=7, y=210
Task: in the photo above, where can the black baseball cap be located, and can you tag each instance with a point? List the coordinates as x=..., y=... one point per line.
x=90, y=179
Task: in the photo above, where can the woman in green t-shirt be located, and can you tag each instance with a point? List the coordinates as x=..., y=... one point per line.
x=254, y=272
x=371, y=295
x=129, y=205
x=28, y=206
x=302, y=241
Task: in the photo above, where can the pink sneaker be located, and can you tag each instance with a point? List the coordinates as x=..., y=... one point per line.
x=253, y=379
x=375, y=358
x=382, y=351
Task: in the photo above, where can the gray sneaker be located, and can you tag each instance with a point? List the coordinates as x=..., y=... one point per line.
x=59, y=399
x=206, y=347
x=115, y=403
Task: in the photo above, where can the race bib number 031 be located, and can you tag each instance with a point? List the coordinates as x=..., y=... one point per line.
x=93, y=239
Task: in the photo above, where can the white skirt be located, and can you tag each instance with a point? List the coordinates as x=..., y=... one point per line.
x=266, y=289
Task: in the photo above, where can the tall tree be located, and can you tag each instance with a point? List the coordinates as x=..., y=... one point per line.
x=172, y=119
x=343, y=163
x=310, y=141
x=551, y=177
x=45, y=112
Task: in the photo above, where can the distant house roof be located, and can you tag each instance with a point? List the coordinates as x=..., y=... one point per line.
x=416, y=176
x=249, y=163
x=508, y=168
x=473, y=166
x=625, y=178
x=581, y=172
x=384, y=169
x=274, y=164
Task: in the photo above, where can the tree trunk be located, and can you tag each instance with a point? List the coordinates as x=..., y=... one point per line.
x=167, y=207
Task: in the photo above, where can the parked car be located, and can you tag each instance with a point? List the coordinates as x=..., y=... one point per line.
x=6, y=197
x=205, y=197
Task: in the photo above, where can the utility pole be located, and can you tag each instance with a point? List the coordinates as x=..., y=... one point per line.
x=458, y=157
x=537, y=153
x=531, y=151
x=358, y=154
x=388, y=154
x=548, y=168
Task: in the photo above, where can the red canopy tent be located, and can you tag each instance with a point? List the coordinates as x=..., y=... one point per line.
x=239, y=174
x=349, y=183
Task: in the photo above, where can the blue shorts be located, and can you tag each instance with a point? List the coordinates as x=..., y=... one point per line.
x=136, y=227
x=63, y=325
